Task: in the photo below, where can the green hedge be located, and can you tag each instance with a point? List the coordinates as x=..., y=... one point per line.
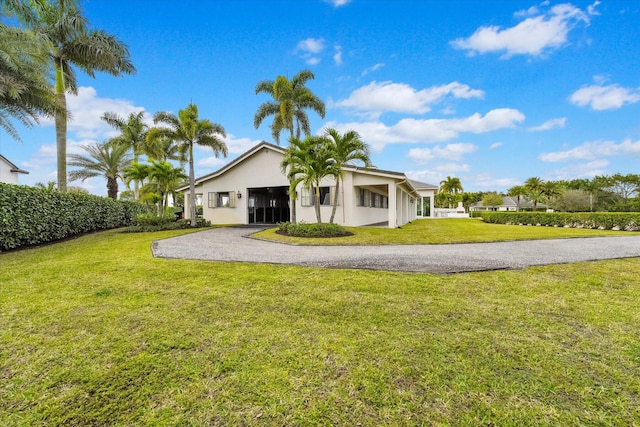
x=628, y=221
x=31, y=216
x=303, y=229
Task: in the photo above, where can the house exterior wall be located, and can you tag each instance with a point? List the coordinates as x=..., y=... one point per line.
x=6, y=175
x=262, y=169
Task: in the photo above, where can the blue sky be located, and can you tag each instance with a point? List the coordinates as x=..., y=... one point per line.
x=492, y=92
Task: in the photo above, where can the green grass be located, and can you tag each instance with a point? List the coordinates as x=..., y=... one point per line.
x=94, y=331
x=436, y=231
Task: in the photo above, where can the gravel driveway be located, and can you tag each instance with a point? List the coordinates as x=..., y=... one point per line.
x=235, y=244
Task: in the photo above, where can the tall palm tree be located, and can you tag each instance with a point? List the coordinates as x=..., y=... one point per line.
x=71, y=43
x=290, y=100
x=25, y=93
x=517, y=191
x=106, y=161
x=133, y=135
x=188, y=130
x=312, y=163
x=535, y=190
x=345, y=149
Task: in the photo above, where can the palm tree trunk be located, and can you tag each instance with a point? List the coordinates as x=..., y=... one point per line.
x=192, y=188
x=61, y=127
x=292, y=199
x=335, y=201
x=317, y=203
x=112, y=188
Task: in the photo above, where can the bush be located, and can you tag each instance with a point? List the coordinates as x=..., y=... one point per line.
x=596, y=220
x=303, y=229
x=150, y=222
x=32, y=216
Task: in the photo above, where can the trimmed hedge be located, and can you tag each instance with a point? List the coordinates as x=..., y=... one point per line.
x=627, y=221
x=31, y=216
x=303, y=229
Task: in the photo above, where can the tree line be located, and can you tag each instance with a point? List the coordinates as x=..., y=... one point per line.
x=605, y=193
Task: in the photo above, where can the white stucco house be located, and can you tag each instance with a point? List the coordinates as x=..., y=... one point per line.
x=509, y=204
x=253, y=190
x=9, y=172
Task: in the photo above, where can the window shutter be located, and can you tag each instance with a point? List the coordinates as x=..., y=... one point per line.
x=232, y=199
x=211, y=200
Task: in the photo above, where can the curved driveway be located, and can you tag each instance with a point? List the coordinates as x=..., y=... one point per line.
x=235, y=244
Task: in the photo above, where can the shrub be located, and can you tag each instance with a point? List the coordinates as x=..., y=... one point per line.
x=596, y=220
x=152, y=222
x=31, y=216
x=303, y=229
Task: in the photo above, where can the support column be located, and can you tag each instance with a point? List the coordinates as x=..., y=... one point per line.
x=392, y=206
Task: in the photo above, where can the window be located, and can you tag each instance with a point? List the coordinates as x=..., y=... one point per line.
x=374, y=200
x=327, y=196
x=222, y=199
x=364, y=198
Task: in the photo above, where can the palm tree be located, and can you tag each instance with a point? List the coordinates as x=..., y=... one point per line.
x=25, y=93
x=534, y=187
x=312, y=163
x=187, y=130
x=451, y=186
x=106, y=161
x=290, y=100
x=551, y=189
x=133, y=135
x=165, y=178
x=137, y=173
x=517, y=191
x=345, y=149
x=71, y=42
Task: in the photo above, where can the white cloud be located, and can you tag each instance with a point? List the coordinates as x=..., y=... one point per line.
x=449, y=152
x=410, y=130
x=338, y=3
x=428, y=175
x=86, y=110
x=537, y=34
x=311, y=45
x=599, y=97
x=337, y=57
x=495, y=145
x=591, y=9
x=309, y=49
x=402, y=98
x=452, y=168
x=372, y=68
x=582, y=170
x=550, y=124
x=211, y=162
x=487, y=180
x=593, y=151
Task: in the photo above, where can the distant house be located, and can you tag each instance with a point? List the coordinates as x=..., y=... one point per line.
x=253, y=190
x=509, y=204
x=9, y=172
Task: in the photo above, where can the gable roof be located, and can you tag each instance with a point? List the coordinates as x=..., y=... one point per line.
x=236, y=161
x=418, y=185
x=14, y=168
x=281, y=150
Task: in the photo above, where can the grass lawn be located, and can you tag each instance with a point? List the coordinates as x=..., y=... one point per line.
x=434, y=231
x=94, y=331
